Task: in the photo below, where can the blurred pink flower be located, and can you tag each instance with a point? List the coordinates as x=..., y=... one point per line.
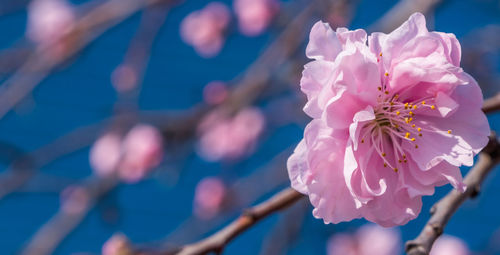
x=204, y=29
x=254, y=16
x=223, y=137
x=391, y=121
x=118, y=244
x=215, y=92
x=48, y=21
x=105, y=154
x=143, y=150
x=369, y=239
x=449, y=245
x=131, y=157
x=209, y=196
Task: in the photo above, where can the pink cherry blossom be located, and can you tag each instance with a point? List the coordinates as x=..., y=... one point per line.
x=143, y=150
x=130, y=157
x=204, y=29
x=369, y=239
x=215, y=92
x=48, y=21
x=449, y=245
x=391, y=121
x=105, y=154
x=255, y=15
x=118, y=244
x=225, y=137
x=209, y=196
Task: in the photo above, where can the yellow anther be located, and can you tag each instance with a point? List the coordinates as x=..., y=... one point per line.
x=379, y=88
x=386, y=92
x=406, y=120
x=407, y=135
x=395, y=170
x=397, y=113
x=418, y=129
x=410, y=119
x=386, y=74
x=411, y=113
x=449, y=131
x=423, y=102
x=412, y=125
x=385, y=164
x=391, y=103
x=383, y=154
x=414, y=107
x=433, y=107
x=406, y=105
x=413, y=139
x=380, y=54
x=396, y=125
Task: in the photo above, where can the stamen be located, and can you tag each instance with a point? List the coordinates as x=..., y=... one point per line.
x=433, y=107
x=449, y=131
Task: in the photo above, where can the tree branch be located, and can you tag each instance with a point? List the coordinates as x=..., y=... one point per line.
x=448, y=205
x=216, y=242
x=492, y=104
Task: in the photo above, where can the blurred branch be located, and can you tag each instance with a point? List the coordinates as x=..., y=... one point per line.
x=217, y=242
x=87, y=29
x=400, y=12
x=444, y=209
x=492, y=104
x=48, y=237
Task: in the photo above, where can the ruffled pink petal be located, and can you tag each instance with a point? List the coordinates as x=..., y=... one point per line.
x=323, y=43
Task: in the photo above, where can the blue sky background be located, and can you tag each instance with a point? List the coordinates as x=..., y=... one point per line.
x=81, y=94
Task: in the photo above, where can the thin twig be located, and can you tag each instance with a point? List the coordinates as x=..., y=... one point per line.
x=446, y=207
x=217, y=241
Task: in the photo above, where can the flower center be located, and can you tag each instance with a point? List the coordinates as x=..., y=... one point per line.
x=393, y=124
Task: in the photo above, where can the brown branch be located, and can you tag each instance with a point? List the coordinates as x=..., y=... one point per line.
x=216, y=242
x=444, y=209
x=492, y=104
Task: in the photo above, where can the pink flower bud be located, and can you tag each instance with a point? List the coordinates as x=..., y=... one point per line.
x=209, y=196
x=215, y=92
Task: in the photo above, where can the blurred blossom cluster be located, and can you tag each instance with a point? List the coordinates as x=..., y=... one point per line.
x=224, y=137
x=449, y=245
x=206, y=29
x=368, y=239
x=255, y=15
x=130, y=157
x=372, y=239
x=48, y=22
